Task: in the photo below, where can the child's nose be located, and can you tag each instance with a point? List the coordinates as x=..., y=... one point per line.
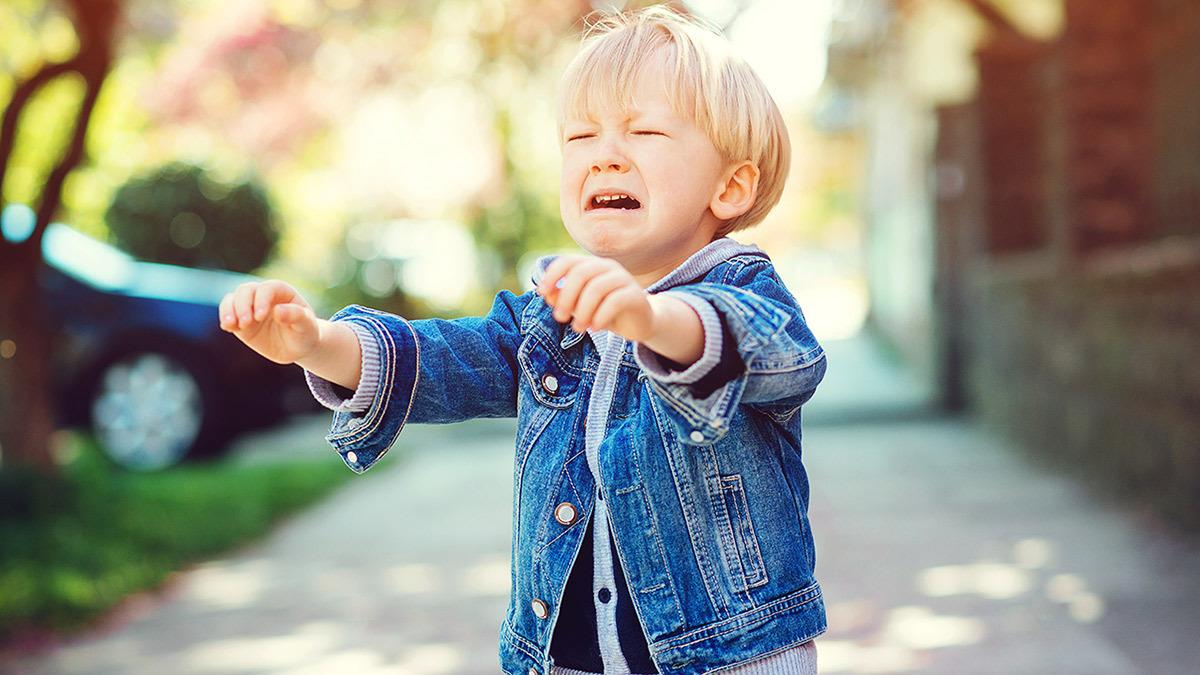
x=609, y=155
x=615, y=165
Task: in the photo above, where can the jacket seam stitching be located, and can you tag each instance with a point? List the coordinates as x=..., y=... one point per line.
x=662, y=556
x=532, y=436
x=558, y=536
x=737, y=264
x=544, y=528
x=802, y=361
x=742, y=622
x=523, y=645
x=571, y=481
x=662, y=551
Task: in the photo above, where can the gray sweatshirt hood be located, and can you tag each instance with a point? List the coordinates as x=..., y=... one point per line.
x=697, y=265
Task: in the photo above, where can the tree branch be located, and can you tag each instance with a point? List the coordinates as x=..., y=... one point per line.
x=21, y=96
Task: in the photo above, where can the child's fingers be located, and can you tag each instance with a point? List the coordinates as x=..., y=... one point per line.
x=284, y=314
x=611, y=307
x=593, y=293
x=268, y=293
x=573, y=283
x=225, y=312
x=243, y=304
x=261, y=304
x=289, y=314
x=548, y=285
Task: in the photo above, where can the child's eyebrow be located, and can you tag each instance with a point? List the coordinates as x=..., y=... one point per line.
x=629, y=115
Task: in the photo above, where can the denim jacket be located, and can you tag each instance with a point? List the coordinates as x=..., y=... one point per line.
x=704, y=485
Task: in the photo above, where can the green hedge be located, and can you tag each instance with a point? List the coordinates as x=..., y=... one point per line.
x=74, y=545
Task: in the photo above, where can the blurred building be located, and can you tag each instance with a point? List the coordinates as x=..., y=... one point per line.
x=1032, y=198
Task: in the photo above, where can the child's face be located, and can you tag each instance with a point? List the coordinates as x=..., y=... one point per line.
x=663, y=161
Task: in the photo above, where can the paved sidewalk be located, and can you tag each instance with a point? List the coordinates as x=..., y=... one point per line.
x=940, y=550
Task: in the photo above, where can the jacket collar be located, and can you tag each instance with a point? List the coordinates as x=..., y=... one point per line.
x=696, y=266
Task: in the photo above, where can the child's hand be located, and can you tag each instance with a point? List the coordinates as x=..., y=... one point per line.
x=600, y=294
x=272, y=319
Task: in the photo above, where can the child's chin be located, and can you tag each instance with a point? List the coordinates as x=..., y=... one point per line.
x=606, y=242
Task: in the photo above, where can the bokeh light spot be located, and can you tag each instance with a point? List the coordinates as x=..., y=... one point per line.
x=17, y=222
x=187, y=230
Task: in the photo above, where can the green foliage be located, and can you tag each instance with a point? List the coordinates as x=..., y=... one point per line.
x=42, y=137
x=352, y=291
x=523, y=222
x=527, y=219
x=179, y=214
x=76, y=544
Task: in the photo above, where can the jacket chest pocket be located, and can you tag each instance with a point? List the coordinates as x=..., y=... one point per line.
x=551, y=378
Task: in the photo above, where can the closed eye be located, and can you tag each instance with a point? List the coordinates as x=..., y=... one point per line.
x=648, y=132
x=579, y=136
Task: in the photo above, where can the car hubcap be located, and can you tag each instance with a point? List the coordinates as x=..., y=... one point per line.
x=147, y=411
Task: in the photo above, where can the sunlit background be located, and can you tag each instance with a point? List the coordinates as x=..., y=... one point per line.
x=392, y=140
x=991, y=223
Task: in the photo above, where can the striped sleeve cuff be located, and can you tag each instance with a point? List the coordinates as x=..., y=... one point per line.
x=658, y=367
x=340, y=399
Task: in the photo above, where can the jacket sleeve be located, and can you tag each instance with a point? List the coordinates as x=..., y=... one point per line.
x=758, y=351
x=429, y=371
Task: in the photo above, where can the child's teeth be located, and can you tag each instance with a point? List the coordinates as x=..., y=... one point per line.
x=607, y=201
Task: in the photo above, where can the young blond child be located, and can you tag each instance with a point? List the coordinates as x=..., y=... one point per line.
x=660, y=502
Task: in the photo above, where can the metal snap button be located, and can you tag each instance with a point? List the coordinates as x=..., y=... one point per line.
x=533, y=671
x=352, y=457
x=565, y=513
x=697, y=436
x=550, y=383
x=540, y=610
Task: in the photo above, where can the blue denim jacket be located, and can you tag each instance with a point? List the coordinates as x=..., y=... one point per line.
x=705, y=488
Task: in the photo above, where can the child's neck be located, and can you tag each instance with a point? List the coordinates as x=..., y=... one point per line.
x=648, y=274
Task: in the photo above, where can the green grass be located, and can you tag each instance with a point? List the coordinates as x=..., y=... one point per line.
x=74, y=545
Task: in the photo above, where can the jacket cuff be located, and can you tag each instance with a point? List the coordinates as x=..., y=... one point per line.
x=362, y=438
x=334, y=396
x=657, y=366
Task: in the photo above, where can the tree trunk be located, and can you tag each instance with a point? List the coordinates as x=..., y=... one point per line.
x=26, y=404
x=27, y=409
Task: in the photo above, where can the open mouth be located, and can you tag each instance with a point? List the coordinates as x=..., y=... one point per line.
x=614, y=201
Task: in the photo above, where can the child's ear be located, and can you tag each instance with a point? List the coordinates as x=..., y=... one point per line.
x=736, y=194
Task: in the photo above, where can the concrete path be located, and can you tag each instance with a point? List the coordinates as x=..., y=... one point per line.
x=939, y=548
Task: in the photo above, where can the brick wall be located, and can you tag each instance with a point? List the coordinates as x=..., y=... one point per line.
x=1097, y=370
x=1107, y=98
x=1075, y=314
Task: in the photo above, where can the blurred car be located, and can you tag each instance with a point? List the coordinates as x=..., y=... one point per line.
x=141, y=359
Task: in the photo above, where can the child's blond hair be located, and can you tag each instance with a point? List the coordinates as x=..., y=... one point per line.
x=712, y=86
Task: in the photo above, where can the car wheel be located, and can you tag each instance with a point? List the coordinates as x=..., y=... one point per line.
x=148, y=410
